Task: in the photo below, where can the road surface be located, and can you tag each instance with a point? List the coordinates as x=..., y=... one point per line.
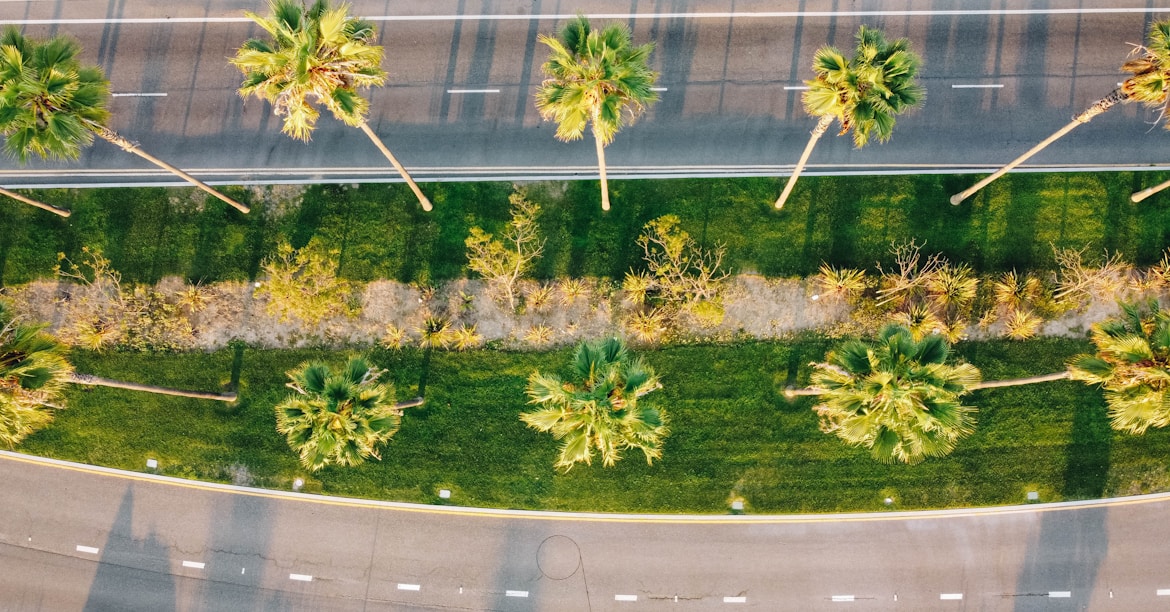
x=1000, y=76
x=79, y=538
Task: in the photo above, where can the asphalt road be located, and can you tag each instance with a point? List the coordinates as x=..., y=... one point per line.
x=76, y=539
x=1000, y=76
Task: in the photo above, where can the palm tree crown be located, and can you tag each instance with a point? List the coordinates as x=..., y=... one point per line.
x=864, y=93
x=33, y=374
x=602, y=409
x=897, y=397
x=48, y=100
x=316, y=54
x=337, y=417
x=596, y=78
x=1132, y=364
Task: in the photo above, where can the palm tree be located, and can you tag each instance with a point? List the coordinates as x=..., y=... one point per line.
x=1132, y=365
x=1147, y=83
x=52, y=106
x=339, y=417
x=897, y=397
x=596, y=78
x=864, y=93
x=600, y=410
x=33, y=373
x=317, y=54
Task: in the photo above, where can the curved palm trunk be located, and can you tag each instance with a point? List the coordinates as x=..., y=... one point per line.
x=32, y=202
x=601, y=169
x=1015, y=382
x=817, y=132
x=1149, y=191
x=1100, y=106
x=132, y=147
x=422, y=199
x=97, y=381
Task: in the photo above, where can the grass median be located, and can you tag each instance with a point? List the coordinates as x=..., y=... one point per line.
x=733, y=434
x=149, y=233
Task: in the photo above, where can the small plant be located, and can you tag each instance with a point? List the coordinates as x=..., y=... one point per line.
x=466, y=338
x=539, y=335
x=193, y=298
x=573, y=289
x=540, y=298
x=1022, y=324
x=395, y=337
x=952, y=287
x=1013, y=291
x=648, y=325
x=637, y=287
x=920, y=320
x=435, y=332
x=840, y=283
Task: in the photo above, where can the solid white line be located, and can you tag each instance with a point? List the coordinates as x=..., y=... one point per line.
x=301, y=577
x=1061, y=594
x=843, y=598
x=626, y=16
x=995, y=86
x=516, y=593
x=735, y=600
x=951, y=596
x=139, y=95
x=1163, y=592
x=194, y=564
x=796, y=87
x=87, y=549
x=409, y=587
x=456, y=91
x=625, y=598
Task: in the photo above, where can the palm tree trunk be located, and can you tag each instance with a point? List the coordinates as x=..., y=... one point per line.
x=411, y=403
x=1149, y=191
x=601, y=168
x=801, y=392
x=1100, y=106
x=817, y=132
x=97, y=381
x=422, y=199
x=132, y=147
x=40, y=205
x=1014, y=382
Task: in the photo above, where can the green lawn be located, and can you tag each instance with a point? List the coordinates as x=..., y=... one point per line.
x=733, y=433
x=149, y=233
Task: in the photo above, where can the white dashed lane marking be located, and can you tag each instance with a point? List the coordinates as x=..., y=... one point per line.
x=87, y=549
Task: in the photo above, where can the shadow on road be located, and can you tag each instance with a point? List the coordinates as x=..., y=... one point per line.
x=132, y=574
x=236, y=556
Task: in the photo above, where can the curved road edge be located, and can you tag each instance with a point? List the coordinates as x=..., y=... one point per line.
x=893, y=515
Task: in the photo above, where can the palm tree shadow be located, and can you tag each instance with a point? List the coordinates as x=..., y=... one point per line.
x=1064, y=556
x=132, y=574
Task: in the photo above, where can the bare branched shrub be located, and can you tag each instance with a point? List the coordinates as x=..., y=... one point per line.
x=93, y=301
x=681, y=278
x=1079, y=282
x=504, y=262
x=303, y=283
x=911, y=272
